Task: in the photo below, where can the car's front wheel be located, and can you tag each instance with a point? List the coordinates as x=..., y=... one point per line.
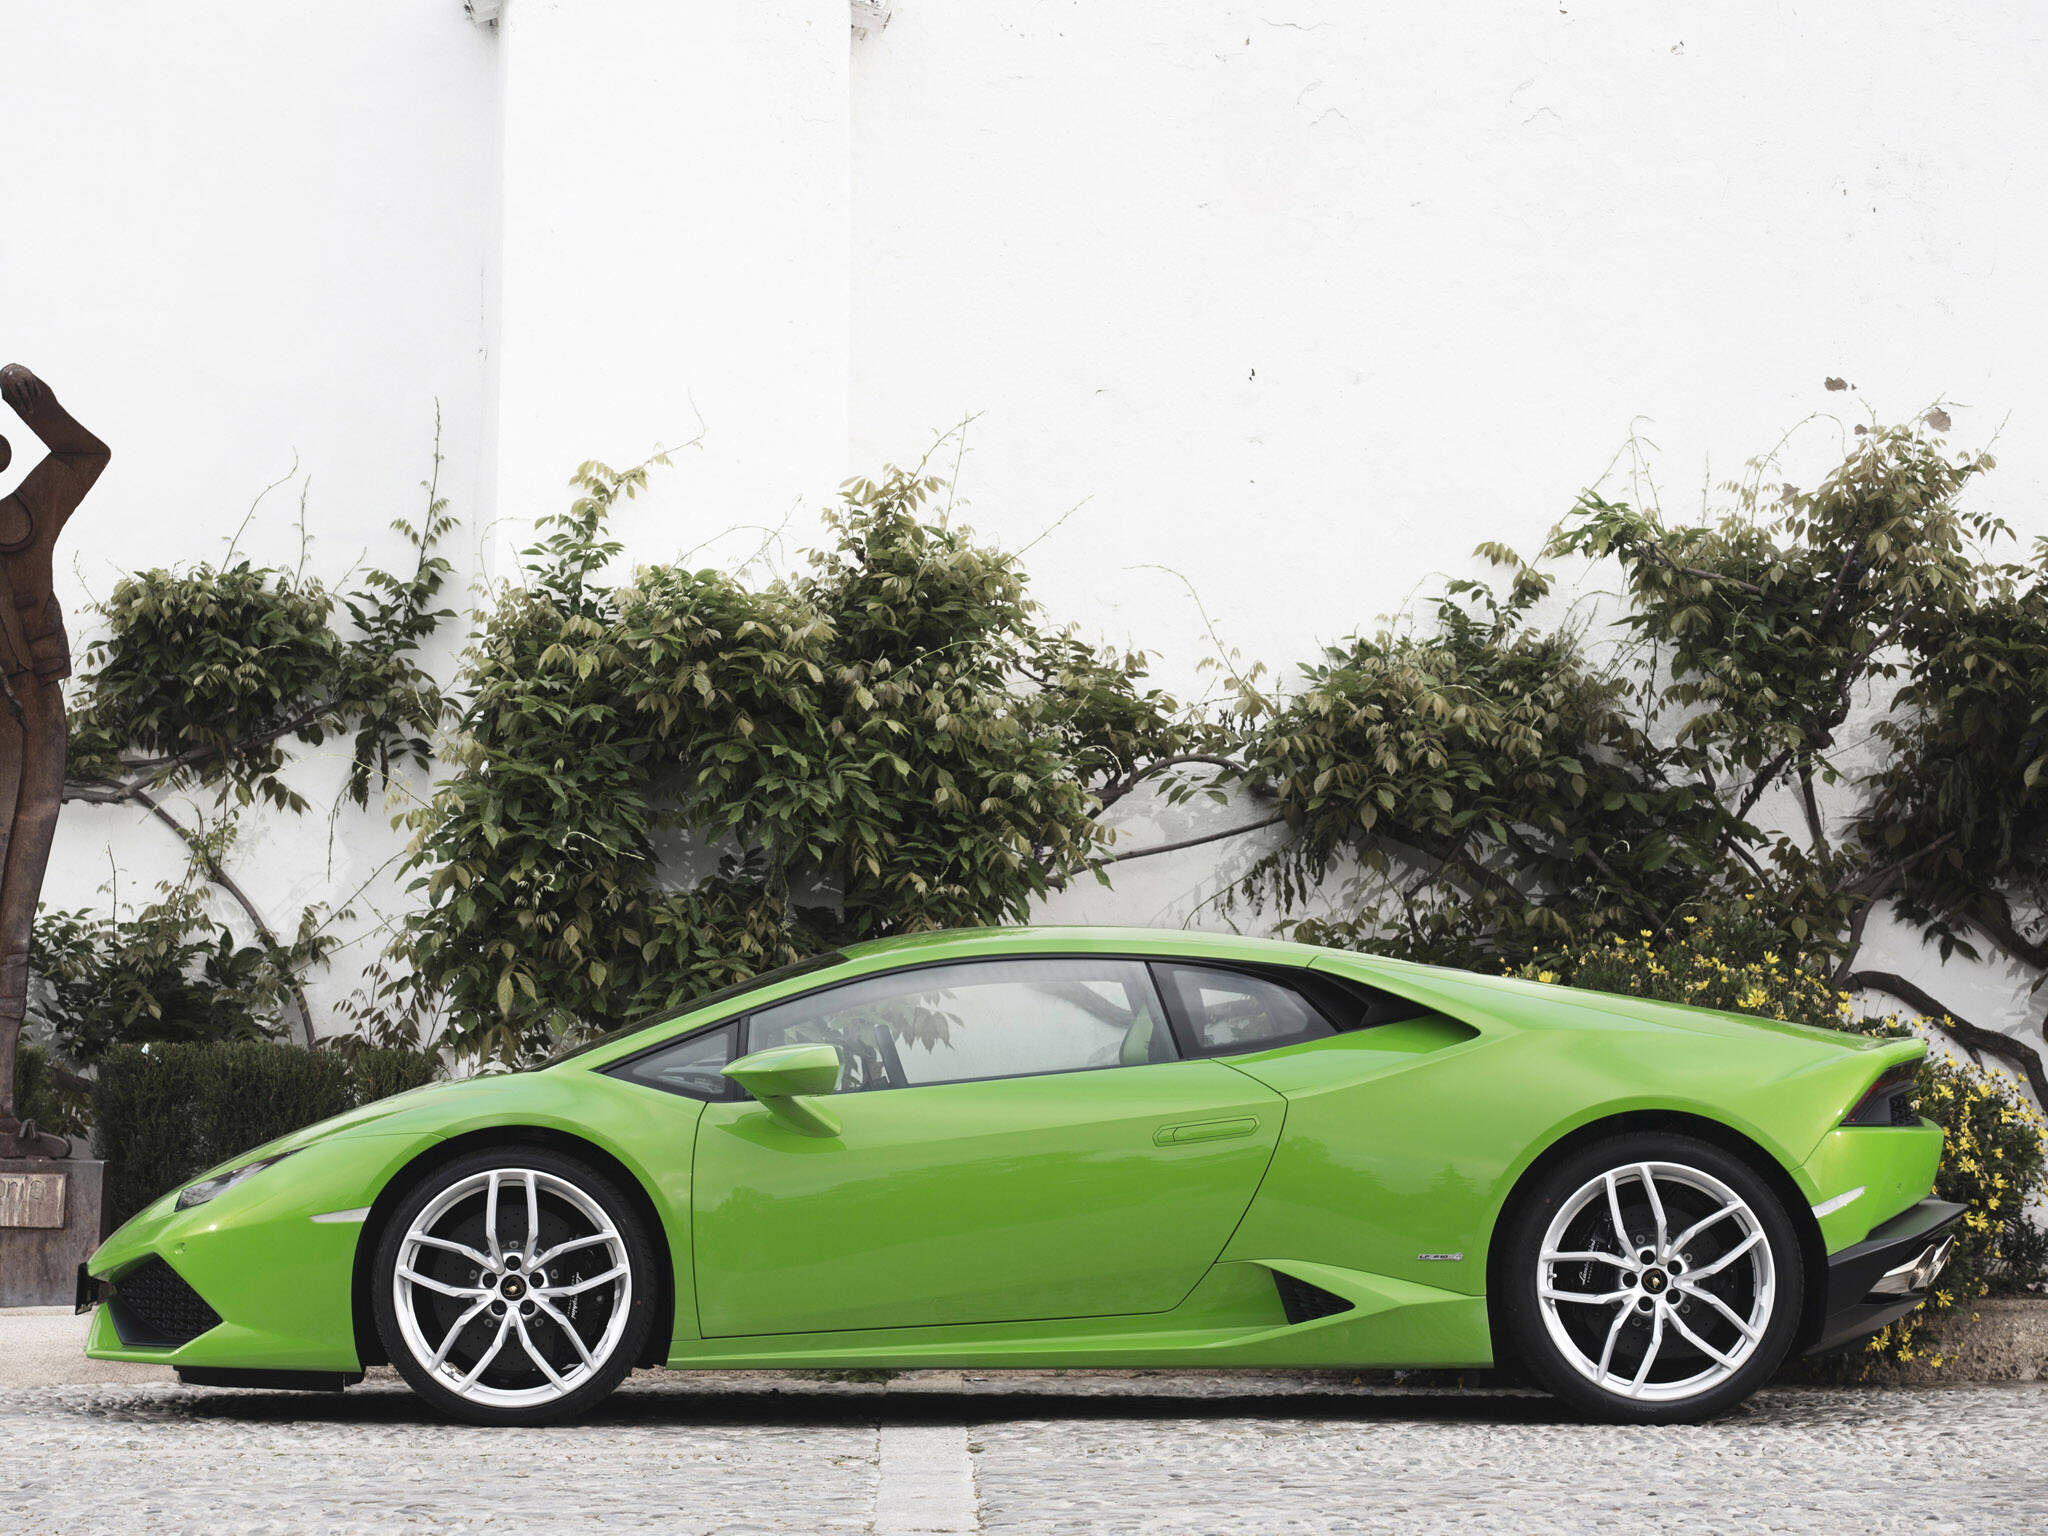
x=1652, y=1278
x=514, y=1286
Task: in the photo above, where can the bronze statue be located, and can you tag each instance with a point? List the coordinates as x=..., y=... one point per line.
x=35, y=658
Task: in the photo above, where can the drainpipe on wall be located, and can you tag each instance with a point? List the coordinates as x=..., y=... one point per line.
x=868, y=15
x=871, y=15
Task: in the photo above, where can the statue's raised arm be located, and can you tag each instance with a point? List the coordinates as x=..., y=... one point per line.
x=51, y=492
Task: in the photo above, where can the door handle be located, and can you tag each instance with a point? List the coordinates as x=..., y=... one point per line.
x=1204, y=1130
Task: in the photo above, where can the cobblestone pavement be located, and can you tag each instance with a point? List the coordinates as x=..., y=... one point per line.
x=964, y=1453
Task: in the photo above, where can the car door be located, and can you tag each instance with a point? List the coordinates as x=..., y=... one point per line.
x=1018, y=1139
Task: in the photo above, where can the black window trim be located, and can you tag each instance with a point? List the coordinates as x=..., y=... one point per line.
x=731, y=1091
x=1279, y=974
x=830, y=959
x=1189, y=1039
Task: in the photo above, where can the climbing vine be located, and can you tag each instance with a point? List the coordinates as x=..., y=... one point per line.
x=204, y=681
x=1491, y=788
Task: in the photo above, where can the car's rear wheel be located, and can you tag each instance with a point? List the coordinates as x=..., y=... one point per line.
x=514, y=1286
x=1652, y=1278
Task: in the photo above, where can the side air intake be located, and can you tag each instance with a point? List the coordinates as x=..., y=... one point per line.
x=1304, y=1303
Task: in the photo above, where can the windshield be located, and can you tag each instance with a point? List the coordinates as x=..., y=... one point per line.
x=738, y=989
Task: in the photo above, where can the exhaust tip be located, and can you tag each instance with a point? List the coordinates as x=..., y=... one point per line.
x=1918, y=1273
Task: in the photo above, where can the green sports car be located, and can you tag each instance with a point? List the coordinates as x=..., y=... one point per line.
x=1074, y=1147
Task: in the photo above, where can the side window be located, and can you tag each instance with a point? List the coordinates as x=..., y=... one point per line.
x=961, y=1023
x=1228, y=1011
x=689, y=1066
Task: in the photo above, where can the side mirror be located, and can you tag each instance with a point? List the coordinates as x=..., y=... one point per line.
x=784, y=1079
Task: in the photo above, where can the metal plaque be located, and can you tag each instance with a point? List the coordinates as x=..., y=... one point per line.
x=31, y=1199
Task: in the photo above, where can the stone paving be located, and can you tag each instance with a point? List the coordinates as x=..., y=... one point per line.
x=1167, y=1455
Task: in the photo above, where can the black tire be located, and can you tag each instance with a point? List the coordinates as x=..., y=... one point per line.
x=1759, y=1296
x=513, y=1387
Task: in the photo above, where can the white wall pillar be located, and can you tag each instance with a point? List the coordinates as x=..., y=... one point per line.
x=675, y=230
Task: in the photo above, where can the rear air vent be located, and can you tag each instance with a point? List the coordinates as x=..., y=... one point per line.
x=154, y=1308
x=1304, y=1303
x=1893, y=1100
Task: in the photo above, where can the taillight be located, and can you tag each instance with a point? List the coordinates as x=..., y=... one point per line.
x=1892, y=1100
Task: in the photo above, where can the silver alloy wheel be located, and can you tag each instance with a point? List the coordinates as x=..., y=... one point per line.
x=1651, y=1269
x=516, y=1324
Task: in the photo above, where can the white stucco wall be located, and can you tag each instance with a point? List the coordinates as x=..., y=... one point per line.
x=1284, y=307
x=675, y=258
x=237, y=233
x=1305, y=300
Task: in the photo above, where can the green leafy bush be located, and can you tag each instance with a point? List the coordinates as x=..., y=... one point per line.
x=204, y=678
x=1992, y=1161
x=1731, y=958
x=1496, y=784
x=163, y=1113
x=892, y=739
x=168, y=972
x=205, y=675
x=1491, y=781
x=219, y=664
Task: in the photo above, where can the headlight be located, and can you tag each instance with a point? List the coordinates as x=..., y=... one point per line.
x=221, y=1183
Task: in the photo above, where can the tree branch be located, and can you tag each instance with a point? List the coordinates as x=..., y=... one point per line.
x=97, y=792
x=1880, y=880
x=1536, y=858
x=1876, y=885
x=220, y=877
x=152, y=771
x=1193, y=842
x=1765, y=777
x=1811, y=805
x=1859, y=919
x=1454, y=856
x=1114, y=791
x=195, y=755
x=1972, y=1037
x=1654, y=548
x=2033, y=952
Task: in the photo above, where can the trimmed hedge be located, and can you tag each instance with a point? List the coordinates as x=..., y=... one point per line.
x=165, y=1112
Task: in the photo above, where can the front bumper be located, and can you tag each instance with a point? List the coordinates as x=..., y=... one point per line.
x=1888, y=1274
x=259, y=1278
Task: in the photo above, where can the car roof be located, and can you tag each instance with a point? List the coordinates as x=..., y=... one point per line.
x=1069, y=939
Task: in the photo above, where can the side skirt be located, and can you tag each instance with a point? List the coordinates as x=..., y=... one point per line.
x=1237, y=1316
x=267, y=1381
